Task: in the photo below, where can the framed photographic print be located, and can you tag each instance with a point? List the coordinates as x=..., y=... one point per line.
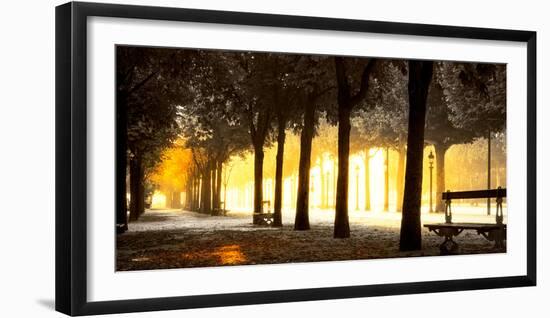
x=208, y=158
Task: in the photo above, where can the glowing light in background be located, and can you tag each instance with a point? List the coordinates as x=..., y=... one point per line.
x=465, y=169
x=158, y=200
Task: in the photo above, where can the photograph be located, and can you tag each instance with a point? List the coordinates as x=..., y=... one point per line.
x=274, y=159
x=227, y=157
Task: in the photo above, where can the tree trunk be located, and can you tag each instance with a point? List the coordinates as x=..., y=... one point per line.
x=367, y=179
x=258, y=180
x=206, y=191
x=194, y=200
x=141, y=189
x=121, y=162
x=218, y=196
x=211, y=197
x=197, y=200
x=136, y=187
x=341, y=220
x=440, y=151
x=323, y=182
x=400, y=178
x=213, y=185
x=176, y=199
x=281, y=136
x=169, y=199
x=334, y=179
x=189, y=194
x=301, y=222
x=387, y=180
x=489, y=171
x=420, y=76
x=346, y=103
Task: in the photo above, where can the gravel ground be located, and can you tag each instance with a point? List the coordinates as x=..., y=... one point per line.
x=179, y=239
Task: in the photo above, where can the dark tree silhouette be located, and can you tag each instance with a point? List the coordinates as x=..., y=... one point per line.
x=420, y=76
x=347, y=100
x=301, y=221
x=384, y=124
x=466, y=102
x=312, y=78
x=148, y=88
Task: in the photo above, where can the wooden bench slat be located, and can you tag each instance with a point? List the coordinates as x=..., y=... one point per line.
x=477, y=194
x=466, y=226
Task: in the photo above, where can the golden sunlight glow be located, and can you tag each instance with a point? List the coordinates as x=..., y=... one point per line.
x=224, y=255
x=230, y=254
x=158, y=200
x=464, y=170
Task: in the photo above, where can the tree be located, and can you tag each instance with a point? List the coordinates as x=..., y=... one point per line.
x=384, y=124
x=420, y=77
x=285, y=96
x=248, y=73
x=442, y=134
x=148, y=93
x=310, y=81
x=347, y=100
x=325, y=146
x=475, y=94
x=211, y=125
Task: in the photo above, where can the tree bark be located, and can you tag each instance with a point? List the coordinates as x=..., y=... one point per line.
x=399, y=183
x=440, y=151
x=121, y=162
x=301, y=221
x=346, y=103
x=189, y=194
x=258, y=179
x=489, y=171
x=387, y=180
x=420, y=76
x=206, y=191
x=136, y=187
x=281, y=136
x=176, y=199
x=197, y=199
x=213, y=185
x=218, y=193
x=169, y=199
x=323, y=182
x=341, y=220
x=367, y=179
x=334, y=181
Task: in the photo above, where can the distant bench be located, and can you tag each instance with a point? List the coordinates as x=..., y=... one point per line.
x=221, y=210
x=264, y=218
x=491, y=231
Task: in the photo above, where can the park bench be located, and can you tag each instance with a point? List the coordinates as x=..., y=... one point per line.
x=264, y=218
x=221, y=210
x=491, y=231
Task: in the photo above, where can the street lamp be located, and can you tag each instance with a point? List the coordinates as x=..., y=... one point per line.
x=356, y=188
x=431, y=162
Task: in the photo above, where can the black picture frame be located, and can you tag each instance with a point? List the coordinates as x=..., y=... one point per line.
x=71, y=157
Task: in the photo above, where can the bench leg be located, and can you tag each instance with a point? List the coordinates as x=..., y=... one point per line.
x=499, y=237
x=448, y=247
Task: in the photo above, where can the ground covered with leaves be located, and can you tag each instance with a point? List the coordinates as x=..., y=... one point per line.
x=164, y=239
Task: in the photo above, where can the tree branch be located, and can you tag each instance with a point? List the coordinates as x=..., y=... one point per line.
x=143, y=82
x=364, y=83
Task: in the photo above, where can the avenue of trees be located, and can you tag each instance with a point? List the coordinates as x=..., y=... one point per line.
x=198, y=109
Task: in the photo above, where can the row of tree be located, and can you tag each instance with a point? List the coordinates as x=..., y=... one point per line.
x=225, y=104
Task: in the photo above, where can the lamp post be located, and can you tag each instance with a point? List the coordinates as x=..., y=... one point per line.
x=356, y=188
x=431, y=162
